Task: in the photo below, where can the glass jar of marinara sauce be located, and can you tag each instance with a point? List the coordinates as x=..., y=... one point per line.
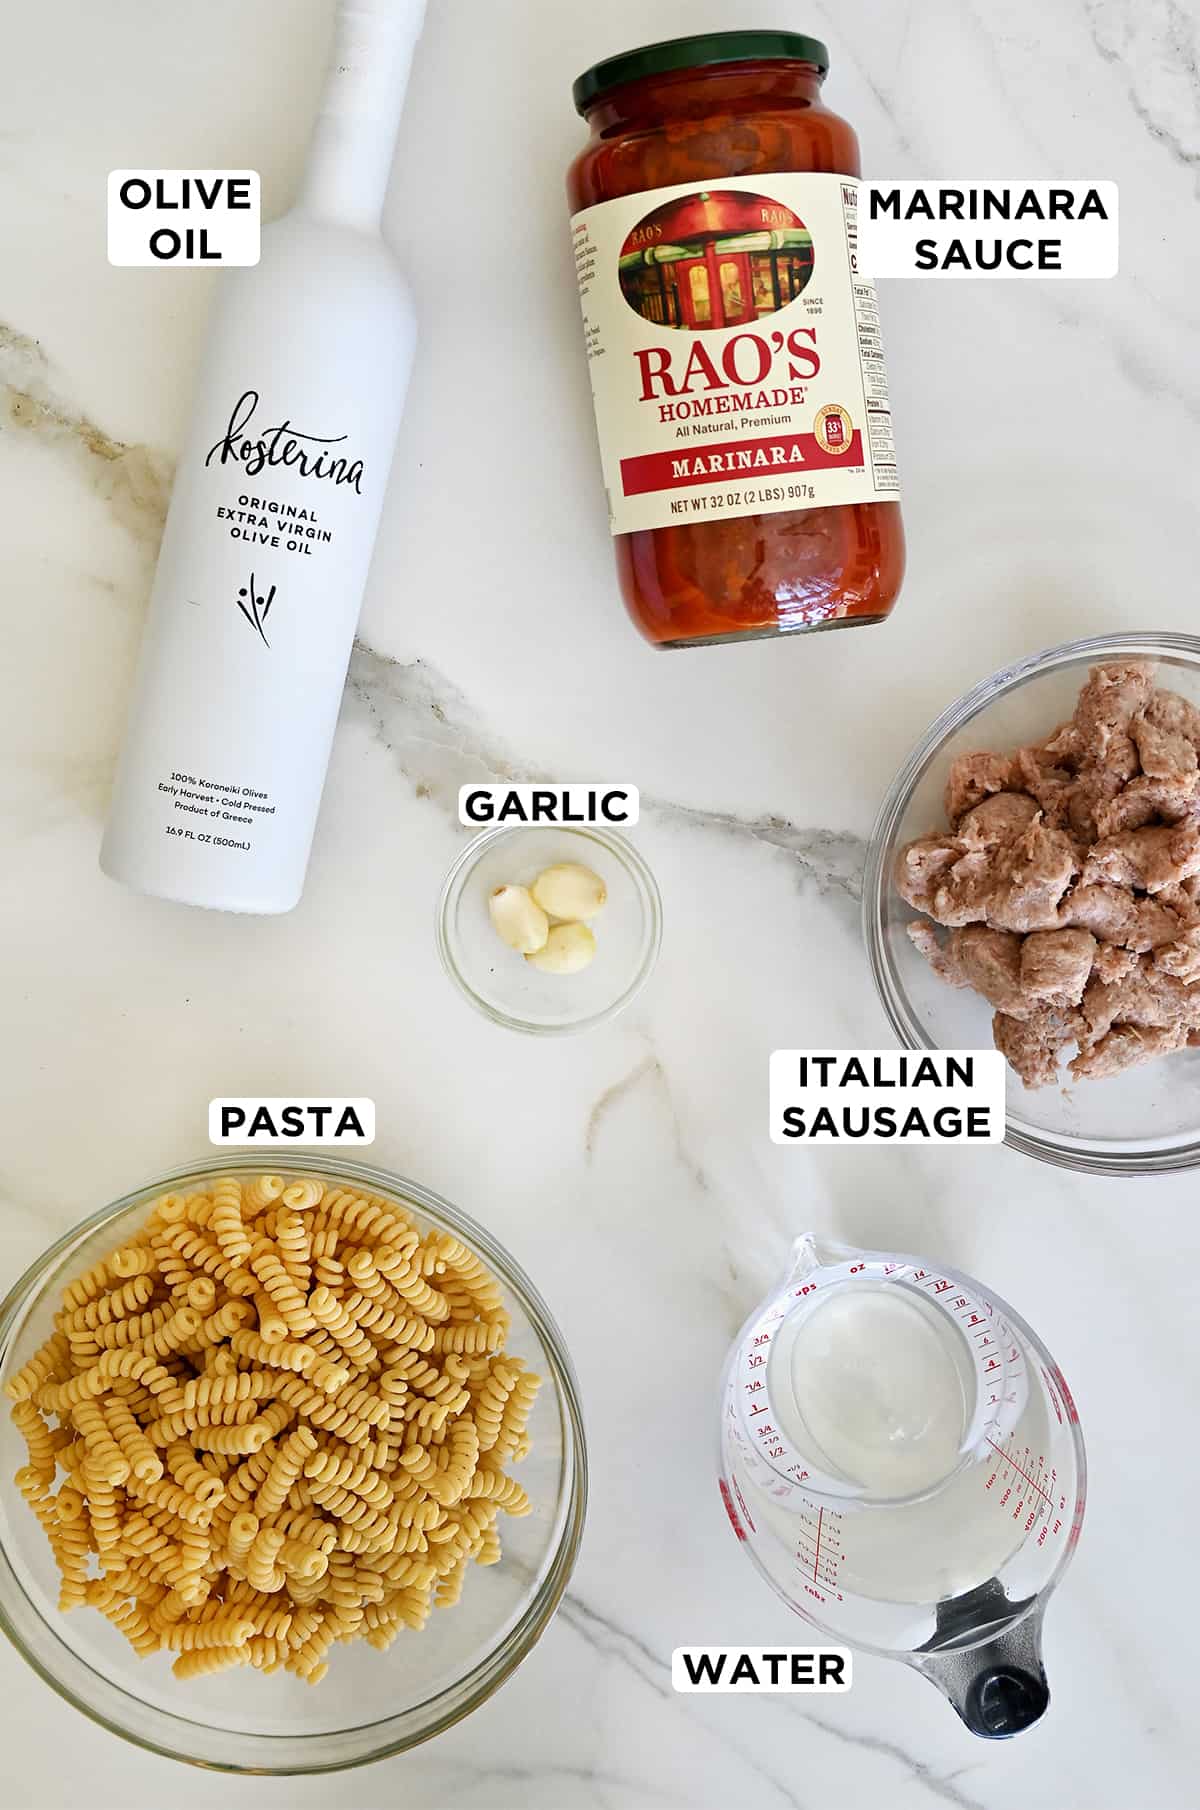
x=737, y=370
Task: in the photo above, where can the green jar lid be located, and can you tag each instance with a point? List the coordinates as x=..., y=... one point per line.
x=698, y=53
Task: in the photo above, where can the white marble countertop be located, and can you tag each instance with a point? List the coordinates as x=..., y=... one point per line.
x=1048, y=442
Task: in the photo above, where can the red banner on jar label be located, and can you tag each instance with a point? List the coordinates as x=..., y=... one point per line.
x=838, y=444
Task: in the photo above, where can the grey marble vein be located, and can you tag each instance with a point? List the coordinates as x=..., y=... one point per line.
x=1178, y=51
x=413, y=710
x=650, y=1069
x=134, y=481
x=610, y=1640
x=439, y=742
x=832, y=859
x=612, y=1096
x=835, y=25
x=940, y=1784
x=599, y=1779
x=437, y=738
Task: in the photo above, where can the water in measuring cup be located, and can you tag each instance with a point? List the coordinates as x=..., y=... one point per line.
x=876, y=1387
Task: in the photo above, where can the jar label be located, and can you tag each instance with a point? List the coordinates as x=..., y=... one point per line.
x=735, y=353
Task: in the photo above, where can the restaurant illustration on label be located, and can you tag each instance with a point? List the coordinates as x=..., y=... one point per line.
x=735, y=354
x=715, y=259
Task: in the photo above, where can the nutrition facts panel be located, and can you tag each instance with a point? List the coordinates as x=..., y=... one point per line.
x=881, y=445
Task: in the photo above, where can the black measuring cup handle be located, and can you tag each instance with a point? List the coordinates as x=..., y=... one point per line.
x=998, y=1686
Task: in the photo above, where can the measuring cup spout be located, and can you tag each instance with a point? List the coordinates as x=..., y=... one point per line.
x=809, y=1255
x=997, y=1684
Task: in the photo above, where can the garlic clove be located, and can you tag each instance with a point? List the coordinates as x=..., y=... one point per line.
x=570, y=891
x=518, y=919
x=568, y=948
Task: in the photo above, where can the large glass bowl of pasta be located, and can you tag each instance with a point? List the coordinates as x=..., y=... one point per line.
x=294, y=1468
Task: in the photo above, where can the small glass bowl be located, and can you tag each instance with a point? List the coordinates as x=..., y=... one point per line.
x=498, y=981
x=1145, y=1121
x=371, y=1704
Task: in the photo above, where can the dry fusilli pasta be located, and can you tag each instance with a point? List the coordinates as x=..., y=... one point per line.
x=283, y=1416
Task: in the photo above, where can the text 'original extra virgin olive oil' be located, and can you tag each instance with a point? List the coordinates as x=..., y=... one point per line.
x=274, y=515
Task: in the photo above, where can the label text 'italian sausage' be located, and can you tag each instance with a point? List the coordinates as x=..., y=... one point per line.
x=887, y=1097
x=246, y=1123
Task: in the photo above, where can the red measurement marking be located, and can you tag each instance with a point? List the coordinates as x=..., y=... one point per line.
x=817, y=1554
x=1053, y=1393
x=730, y=1510
x=1020, y=1473
x=747, y=1517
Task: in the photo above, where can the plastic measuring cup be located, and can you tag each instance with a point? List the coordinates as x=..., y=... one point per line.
x=903, y=1461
